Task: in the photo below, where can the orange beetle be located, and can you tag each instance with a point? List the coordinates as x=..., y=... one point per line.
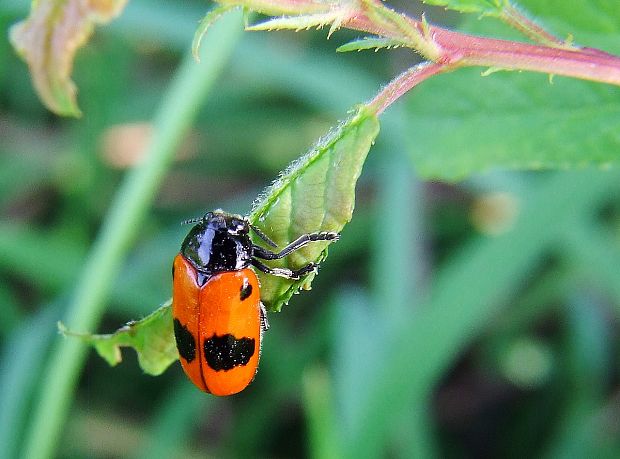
x=219, y=319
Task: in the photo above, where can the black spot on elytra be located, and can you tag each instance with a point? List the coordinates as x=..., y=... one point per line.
x=172, y=271
x=186, y=343
x=227, y=352
x=246, y=290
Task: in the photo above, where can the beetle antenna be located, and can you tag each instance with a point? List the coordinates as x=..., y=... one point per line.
x=263, y=236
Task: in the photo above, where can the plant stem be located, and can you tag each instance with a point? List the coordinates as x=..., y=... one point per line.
x=456, y=49
x=586, y=63
x=403, y=83
x=447, y=48
x=179, y=106
x=460, y=50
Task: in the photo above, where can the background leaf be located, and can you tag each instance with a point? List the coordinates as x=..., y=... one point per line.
x=49, y=39
x=490, y=7
x=598, y=16
x=463, y=123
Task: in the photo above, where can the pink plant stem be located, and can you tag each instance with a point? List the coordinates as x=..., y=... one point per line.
x=448, y=50
x=584, y=63
x=403, y=83
x=458, y=49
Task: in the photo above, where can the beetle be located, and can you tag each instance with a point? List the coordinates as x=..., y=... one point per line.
x=218, y=316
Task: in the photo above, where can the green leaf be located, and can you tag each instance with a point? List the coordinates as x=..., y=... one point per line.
x=49, y=39
x=151, y=337
x=302, y=22
x=463, y=124
x=365, y=43
x=485, y=7
x=316, y=193
x=595, y=16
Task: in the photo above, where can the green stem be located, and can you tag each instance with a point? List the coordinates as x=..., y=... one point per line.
x=121, y=226
x=319, y=408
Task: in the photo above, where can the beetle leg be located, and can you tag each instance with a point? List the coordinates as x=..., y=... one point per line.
x=298, y=243
x=284, y=272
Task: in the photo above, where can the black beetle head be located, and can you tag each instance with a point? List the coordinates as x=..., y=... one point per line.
x=219, y=242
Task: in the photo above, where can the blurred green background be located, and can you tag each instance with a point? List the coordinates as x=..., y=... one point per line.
x=477, y=319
